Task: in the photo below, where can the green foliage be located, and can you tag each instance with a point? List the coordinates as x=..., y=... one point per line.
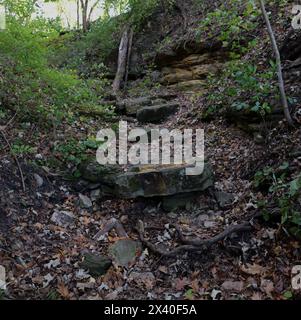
x=137, y=11
x=73, y=152
x=86, y=53
x=286, y=194
x=242, y=86
x=53, y=295
x=231, y=23
x=21, y=149
x=34, y=89
x=21, y=10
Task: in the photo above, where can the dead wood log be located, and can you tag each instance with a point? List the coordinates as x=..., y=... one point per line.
x=122, y=60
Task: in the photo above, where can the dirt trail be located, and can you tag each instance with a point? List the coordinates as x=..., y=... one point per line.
x=42, y=259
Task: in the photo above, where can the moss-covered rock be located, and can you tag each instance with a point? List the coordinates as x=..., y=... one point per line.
x=93, y=172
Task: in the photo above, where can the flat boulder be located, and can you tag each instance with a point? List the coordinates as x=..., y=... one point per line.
x=147, y=181
x=158, y=181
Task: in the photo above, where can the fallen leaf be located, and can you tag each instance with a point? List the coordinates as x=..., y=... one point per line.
x=236, y=286
x=63, y=291
x=253, y=269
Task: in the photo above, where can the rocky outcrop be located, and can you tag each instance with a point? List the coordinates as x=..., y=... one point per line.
x=149, y=181
x=191, y=72
x=250, y=121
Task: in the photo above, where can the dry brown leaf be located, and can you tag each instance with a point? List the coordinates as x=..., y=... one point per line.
x=63, y=291
x=253, y=269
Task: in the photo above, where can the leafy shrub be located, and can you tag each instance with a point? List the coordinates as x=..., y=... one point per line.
x=231, y=23
x=37, y=91
x=242, y=86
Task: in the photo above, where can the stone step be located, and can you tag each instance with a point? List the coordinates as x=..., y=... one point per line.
x=149, y=181
x=131, y=106
x=157, y=113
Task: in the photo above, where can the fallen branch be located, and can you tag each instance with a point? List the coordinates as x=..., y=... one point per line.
x=112, y=224
x=15, y=158
x=191, y=245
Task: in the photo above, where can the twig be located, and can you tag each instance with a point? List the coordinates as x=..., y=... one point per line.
x=16, y=160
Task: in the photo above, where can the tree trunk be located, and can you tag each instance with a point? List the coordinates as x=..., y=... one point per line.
x=279, y=66
x=77, y=15
x=122, y=61
x=129, y=56
x=84, y=5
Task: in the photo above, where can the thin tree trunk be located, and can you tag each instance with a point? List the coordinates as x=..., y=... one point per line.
x=77, y=15
x=122, y=61
x=91, y=11
x=129, y=56
x=279, y=66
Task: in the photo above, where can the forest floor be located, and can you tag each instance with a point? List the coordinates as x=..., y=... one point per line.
x=42, y=259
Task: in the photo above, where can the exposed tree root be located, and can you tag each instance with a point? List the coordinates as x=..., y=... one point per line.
x=195, y=245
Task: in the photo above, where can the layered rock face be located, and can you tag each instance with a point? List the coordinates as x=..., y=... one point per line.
x=192, y=71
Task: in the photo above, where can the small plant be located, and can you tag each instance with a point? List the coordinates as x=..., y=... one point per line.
x=21, y=149
x=72, y=153
x=53, y=295
x=285, y=194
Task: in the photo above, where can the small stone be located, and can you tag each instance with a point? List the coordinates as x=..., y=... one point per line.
x=202, y=218
x=85, y=202
x=124, y=219
x=62, y=218
x=172, y=215
x=150, y=210
x=167, y=235
x=95, y=194
x=224, y=198
x=209, y=224
x=39, y=180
